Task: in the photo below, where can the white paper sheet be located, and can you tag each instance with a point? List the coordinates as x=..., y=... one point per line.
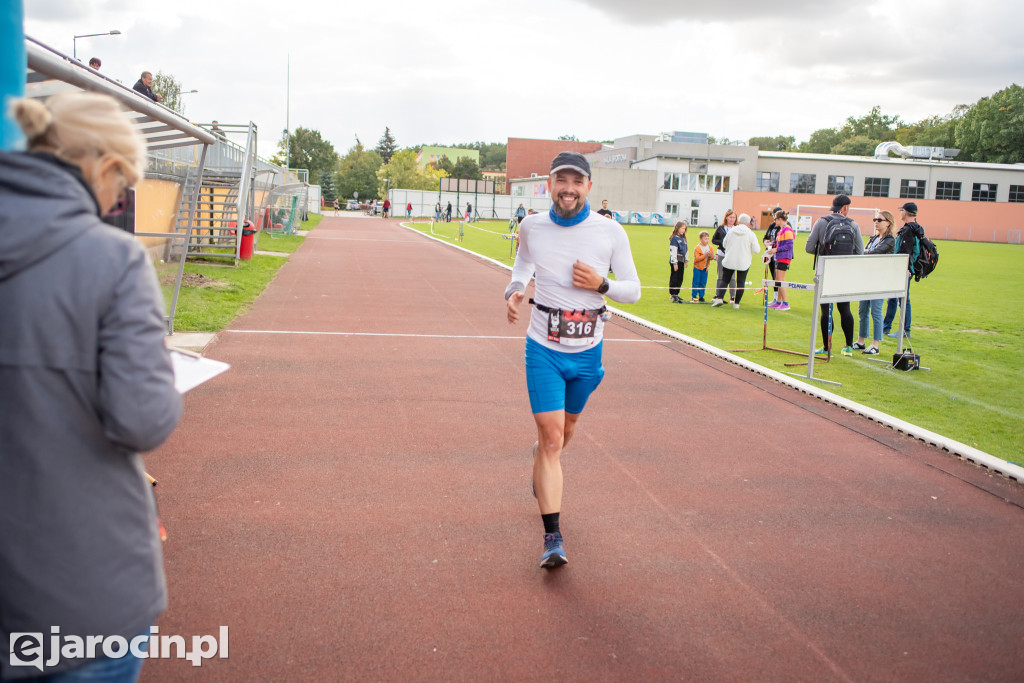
x=191, y=370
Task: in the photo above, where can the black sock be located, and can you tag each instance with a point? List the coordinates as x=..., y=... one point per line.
x=550, y=523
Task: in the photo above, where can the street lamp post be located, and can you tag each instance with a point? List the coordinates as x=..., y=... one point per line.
x=74, y=41
x=181, y=92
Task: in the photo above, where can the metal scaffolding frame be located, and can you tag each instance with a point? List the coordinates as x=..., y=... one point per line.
x=51, y=72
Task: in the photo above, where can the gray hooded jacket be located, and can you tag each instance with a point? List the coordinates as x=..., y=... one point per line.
x=85, y=384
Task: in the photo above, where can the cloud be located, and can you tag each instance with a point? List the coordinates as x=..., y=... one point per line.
x=659, y=12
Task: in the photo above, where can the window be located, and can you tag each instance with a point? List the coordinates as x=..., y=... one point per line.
x=912, y=189
x=840, y=184
x=802, y=183
x=1016, y=193
x=672, y=209
x=694, y=212
x=876, y=187
x=984, y=192
x=767, y=181
x=671, y=181
x=947, y=189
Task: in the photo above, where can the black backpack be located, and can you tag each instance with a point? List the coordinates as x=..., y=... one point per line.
x=839, y=238
x=927, y=258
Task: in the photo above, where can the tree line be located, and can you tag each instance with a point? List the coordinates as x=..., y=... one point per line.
x=990, y=130
x=369, y=173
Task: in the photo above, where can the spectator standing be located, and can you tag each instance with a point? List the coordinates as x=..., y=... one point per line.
x=831, y=236
x=520, y=214
x=604, y=210
x=678, y=252
x=95, y=63
x=469, y=211
x=387, y=208
x=782, y=255
x=142, y=86
x=408, y=210
x=437, y=211
x=448, y=213
x=718, y=240
x=87, y=384
x=740, y=245
x=769, y=243
x=882, y=242
x=906, y=243
x=703, y=255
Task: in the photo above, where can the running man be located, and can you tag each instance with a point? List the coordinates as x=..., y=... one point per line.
x=569, y=250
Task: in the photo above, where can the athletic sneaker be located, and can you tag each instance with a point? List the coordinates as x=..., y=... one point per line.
x=716, y=302
x=821, y=352
x=847, y=351
x=735, y=305
x=695, y=300
x=871, y=351
x=782, y=307
x=702, y=301
x=857, y=346
x=554, y=552
x=773, y=303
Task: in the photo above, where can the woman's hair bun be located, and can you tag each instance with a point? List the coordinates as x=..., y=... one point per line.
x=32, y=116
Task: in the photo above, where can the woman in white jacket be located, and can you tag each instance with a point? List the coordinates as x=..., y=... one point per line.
x=741, y=245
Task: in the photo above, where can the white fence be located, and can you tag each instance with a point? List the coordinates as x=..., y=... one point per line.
x=485, y=206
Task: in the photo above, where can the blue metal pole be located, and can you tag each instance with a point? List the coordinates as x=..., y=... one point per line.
x=12, y=69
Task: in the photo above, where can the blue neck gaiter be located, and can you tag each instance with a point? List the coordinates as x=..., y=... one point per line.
x=569, y=222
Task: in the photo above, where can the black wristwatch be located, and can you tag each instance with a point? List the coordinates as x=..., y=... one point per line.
x=603, y=289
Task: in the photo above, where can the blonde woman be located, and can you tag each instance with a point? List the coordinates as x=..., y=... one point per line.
x=678, y=254
x=718, y=239
x=87, y=384
x=882, y=242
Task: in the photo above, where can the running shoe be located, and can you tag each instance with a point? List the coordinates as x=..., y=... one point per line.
x=554, y=551
x=773, y=303
x=695, y=300
x=847, y=351
x=716, y=302
x=857, y=346
x=782, y=307
x=821, y=352
x=735, y=305
x=871, y=351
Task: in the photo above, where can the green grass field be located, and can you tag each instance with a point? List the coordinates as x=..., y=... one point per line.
x=967, y=326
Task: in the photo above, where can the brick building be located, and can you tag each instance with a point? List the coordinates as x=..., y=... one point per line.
x=525, y=156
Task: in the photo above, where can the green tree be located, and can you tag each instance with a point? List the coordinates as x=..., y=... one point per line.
x=386, y=146
x=306, y=149
x=403, y=172
x=357, y=172
x=570, y=138
x=778, y=143
x=993, y=129
x=858, y=145
x=821, y=141
x=169, y=89
x=327, y=186
x=874, y=125
x=466, y=168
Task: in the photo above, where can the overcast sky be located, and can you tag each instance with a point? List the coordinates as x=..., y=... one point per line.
x=450, y=71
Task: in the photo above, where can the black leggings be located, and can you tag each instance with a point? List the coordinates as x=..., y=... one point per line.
x=675, y=279
x=845, y=319
x=741, y=279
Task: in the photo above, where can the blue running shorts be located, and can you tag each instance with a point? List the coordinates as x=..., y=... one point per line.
x=561, y=381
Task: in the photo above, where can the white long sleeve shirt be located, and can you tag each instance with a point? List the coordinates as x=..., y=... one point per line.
x=548, y=251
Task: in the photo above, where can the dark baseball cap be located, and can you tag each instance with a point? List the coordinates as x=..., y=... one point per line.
x=839, y=201
x=572, y=161
x=910, y=207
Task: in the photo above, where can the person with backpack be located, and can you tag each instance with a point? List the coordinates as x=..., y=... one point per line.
x=908, y=241
x=835, y=235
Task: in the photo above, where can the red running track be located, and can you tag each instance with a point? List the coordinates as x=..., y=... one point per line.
x=355, y=505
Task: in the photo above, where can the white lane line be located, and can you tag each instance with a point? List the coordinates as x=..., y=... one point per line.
x=425, y=336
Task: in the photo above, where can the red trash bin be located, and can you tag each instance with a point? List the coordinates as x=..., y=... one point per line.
x=247, y=240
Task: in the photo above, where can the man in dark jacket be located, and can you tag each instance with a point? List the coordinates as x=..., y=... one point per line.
x=143, y=86
x=906, y=243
